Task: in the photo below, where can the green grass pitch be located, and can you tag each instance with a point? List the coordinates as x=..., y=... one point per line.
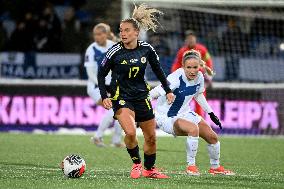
x=31, y=161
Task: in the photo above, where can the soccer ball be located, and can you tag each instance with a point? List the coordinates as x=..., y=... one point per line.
x=73, y=166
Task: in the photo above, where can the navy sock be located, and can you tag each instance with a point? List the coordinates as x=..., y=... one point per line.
x=149, y=161
x=134, y=154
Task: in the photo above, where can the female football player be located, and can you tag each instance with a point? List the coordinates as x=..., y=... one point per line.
x=128, y=60
x=94, y=55
x=177, y=118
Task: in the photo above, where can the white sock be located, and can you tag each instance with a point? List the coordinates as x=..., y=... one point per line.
x=191, y=149
x=116, y=138
x=214, y=154
x=105, y=123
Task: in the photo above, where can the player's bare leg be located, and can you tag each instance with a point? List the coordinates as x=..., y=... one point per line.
x=149, y=132
x=126, y=118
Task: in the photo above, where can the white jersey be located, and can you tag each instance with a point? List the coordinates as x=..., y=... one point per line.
x=94, y=55
x=183, y=89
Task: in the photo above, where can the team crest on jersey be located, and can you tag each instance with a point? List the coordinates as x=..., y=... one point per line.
x=143, y=59
x=121, y=102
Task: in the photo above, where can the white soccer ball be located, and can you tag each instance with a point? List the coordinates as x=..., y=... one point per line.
x=73, y=166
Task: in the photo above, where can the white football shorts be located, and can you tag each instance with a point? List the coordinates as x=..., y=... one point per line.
x=166, y=123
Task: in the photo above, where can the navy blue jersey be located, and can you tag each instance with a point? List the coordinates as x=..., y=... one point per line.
x=128, y=66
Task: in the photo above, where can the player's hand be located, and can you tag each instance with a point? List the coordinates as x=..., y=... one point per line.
x=215, y=119
x=170, y=98
x=107, y=103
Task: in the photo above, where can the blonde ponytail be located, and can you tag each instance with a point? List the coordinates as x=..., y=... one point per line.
x=144, y=17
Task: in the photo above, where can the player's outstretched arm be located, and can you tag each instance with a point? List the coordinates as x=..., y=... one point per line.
x=201, y=100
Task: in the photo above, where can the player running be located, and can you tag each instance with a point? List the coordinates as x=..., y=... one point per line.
x=94, y=55
x=177, y=119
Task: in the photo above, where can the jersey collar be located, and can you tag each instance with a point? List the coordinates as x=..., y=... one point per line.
x=122, y=45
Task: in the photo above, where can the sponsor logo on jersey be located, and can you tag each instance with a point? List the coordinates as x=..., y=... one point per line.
x=124, y=62
x=143, y=59
x=121, y=102
x=134, y=60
